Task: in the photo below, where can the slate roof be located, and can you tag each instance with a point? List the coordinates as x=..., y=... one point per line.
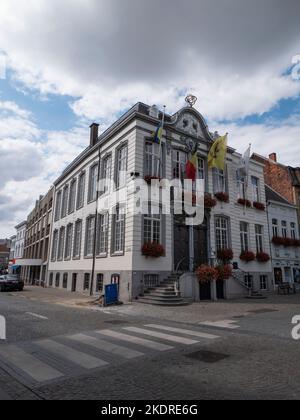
x=272, y=195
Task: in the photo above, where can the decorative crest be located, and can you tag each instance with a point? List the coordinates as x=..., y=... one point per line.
x=191, y=100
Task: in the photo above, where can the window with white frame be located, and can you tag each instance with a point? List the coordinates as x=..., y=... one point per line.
x=64, y=205
x=61, y=241
x=80, y=191
x=201, y=168
x=106, y=174
x=293, y=230
x=219, y=180
x=241, y=186
x=263, y=282
x=259, y=237
x=121, y=166
x=179, y=159
x=152, y=228
x=102, y=236
x=119, y=231
x=69, y=237
x=65, y=280
x=284, y=228
x=72, y=196
x=77, y=239
x=54, y=245
x=275, y=227
x=153, y=159
x=248, y=280
x=89, y=238
x=58, y=206
x=244, y=234
x=222, y=234
x=93, y=183
x=255, y=189
x=86, y=283
x=99, y=283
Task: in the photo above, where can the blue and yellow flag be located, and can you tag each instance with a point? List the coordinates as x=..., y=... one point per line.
x=157, y=135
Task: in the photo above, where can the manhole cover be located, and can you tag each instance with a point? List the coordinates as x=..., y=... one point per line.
x=262, y=311
x=116, y=322
x=207, y=356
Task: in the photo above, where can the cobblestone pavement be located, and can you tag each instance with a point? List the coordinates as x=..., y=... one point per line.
x=55, y=351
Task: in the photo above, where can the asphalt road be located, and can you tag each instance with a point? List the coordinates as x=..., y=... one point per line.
x=58, y=352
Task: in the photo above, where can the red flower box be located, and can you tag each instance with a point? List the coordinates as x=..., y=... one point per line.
x=247, y=256
x=224, y=272
x=277, y=240
x=153, y=249
x=209, y=202
x=259, y=206
x=244, y=202
x=222, y=196
x=262, y=257
x=225, y=255
x=149, y=178
x=206, y=274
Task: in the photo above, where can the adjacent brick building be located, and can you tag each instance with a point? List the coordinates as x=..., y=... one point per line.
x=283, y=179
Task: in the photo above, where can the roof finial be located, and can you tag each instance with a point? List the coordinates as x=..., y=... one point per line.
x=191, y=100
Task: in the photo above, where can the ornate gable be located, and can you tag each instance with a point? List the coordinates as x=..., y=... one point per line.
x=191, y=122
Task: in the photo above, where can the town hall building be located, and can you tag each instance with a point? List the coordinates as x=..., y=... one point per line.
x=90, y=247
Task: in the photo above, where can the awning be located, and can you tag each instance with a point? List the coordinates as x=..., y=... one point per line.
x=15, y=266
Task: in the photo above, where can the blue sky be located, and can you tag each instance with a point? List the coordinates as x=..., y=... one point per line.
x=74, y=62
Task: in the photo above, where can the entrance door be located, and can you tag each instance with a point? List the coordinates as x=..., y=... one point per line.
x=220, y=289
x=74, y=282
x=205, y=291
x=278, y=275
x=181, y=244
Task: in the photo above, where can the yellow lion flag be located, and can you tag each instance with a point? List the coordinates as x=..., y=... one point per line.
x=217, y=154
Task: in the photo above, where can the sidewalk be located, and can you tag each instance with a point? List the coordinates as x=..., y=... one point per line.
x=193, y=314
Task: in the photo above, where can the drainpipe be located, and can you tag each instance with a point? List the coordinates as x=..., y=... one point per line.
x=96, y=224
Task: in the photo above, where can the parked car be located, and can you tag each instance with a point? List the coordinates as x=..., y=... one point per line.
x=11, y=282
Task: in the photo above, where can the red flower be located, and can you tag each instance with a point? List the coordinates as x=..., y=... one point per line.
x=209, y=202
x=247, y=256
x=224, y=272
x=222, y=196
x=259, y=206
x=153, y=249
x=225, y=255
x=206, y=274
x=244, y=202
x=262, y=257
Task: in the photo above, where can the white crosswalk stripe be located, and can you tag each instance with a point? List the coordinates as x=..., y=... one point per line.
x=136, y=340
x=29, y=364
x=106, y=346
x=225, y=323
x=168, y=337
x=183, y=331
x=82, y=359
x=54, y=358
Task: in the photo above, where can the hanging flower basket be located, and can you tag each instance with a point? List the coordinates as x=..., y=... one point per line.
x=247, y=256
x=244, y=202
x=206, y=274
x=150, y=178
x=209, y=202
x=224, y=272
x=262, y=257
x=259, y=206
x=225, y=255
x=153, y=249
x=222, y=196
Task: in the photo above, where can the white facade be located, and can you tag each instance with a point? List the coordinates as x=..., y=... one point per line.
x=283, y=223
x=119, y=257
x=20, y=240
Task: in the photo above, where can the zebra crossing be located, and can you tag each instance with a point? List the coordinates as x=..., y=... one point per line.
x=56, y=358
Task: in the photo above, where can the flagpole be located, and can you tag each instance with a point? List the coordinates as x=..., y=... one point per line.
x=247, y=180
x=160, y=143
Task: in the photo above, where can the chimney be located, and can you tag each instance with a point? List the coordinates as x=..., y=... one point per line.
x=273, y=157
x=94, y=128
